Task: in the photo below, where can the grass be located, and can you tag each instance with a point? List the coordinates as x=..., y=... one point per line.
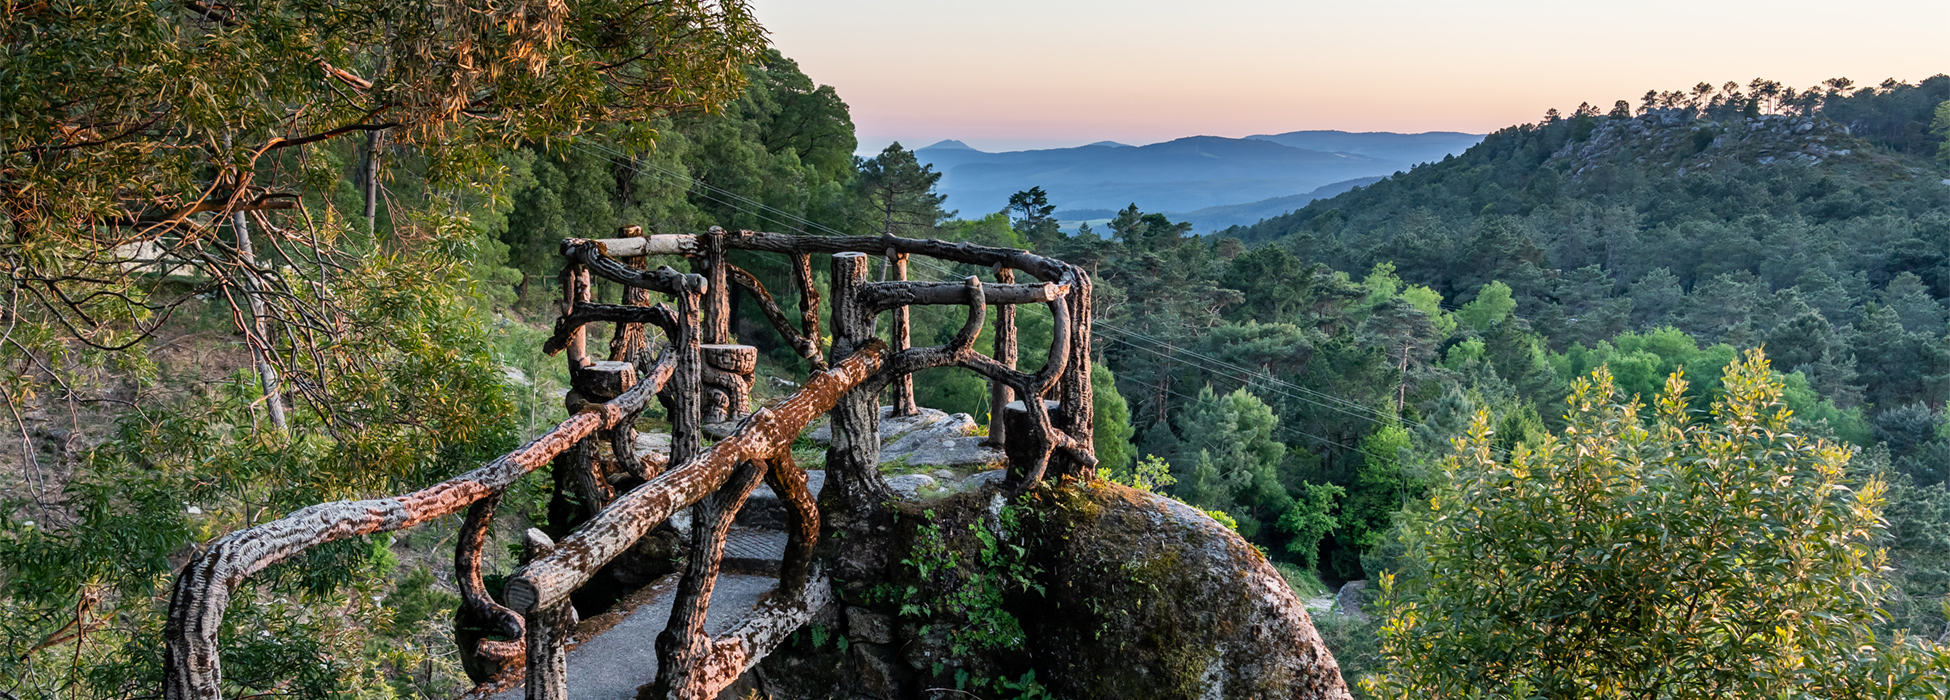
x=1303, y=582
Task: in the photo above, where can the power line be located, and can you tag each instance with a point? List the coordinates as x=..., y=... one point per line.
x=1290, y=429
x=1248, y=375
x=1204, y=362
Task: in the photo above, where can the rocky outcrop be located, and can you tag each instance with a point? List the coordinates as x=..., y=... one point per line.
x=1141, y=598
x=1676, y=139
x=1348, y=601
x=930, y=438
x=1148, y=598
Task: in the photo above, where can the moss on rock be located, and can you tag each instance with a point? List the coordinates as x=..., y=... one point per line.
x=1147, y=598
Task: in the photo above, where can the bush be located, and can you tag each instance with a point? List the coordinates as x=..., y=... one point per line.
x=1669, y=557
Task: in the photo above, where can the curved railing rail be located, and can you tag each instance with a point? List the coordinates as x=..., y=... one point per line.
x=700, y=375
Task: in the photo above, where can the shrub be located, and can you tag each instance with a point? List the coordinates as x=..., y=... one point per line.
x=1670, y=557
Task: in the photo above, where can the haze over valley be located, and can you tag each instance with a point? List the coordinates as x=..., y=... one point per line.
x=1211, y=181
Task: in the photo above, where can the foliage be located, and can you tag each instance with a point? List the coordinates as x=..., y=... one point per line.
x=1651, y=556
x=1629, y=225
x=136, y=129
x=897, y=194
x=1235, y=458
x=139, y=133
x=1356, y=646
x=1309, y=520
x=429, y=406
x=1111, y=421
x=966, y=596
x=1303, y=582
x=1940, y=126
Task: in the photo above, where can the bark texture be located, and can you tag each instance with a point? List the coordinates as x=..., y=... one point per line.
x=1001, y=394
x=902, y=332
x=548, y=630
x=853, y=456
x=682, y=646
x=478, y=618
x=191, y=667
x=701, y=375
x=765, y=432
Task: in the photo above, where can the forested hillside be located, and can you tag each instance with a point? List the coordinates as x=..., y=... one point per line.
x=1817, y=224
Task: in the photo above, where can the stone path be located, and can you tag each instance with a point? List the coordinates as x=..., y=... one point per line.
x=615, y=653
x=618, y=659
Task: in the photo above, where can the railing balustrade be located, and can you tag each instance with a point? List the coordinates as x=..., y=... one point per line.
x=700, y=376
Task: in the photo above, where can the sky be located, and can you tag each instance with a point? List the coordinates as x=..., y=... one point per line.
x=1015, y=74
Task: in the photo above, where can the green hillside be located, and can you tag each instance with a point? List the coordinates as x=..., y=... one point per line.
x=1817, y=225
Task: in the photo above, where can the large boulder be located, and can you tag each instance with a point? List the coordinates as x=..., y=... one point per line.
x=930, y=438
x=1148, y=598
x=1131, y=596
x=892, y=427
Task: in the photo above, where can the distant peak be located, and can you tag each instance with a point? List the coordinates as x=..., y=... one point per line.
x=1109, y=144
x=949, y=143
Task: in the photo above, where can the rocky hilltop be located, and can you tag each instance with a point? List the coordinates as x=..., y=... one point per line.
x=1674, y=140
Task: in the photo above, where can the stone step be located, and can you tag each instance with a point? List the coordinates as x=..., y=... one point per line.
x=614, y=654
x=751, y=550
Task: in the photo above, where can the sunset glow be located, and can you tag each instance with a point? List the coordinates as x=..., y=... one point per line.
x=1020, y=74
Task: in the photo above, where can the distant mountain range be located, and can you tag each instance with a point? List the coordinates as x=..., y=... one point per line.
x=1214, y=181
x=1224, y=215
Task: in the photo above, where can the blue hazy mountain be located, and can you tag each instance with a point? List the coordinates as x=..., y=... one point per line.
x=1182, y=175
x=1217, y=218
x=1408, y=149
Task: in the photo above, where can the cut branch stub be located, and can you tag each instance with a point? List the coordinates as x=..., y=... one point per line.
x=727, y=375
x=737, y=359
x=661, y=244
x=605, y=379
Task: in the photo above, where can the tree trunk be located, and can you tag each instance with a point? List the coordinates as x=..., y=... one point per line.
x=683, y=644
x=710, y=262
x=260, y=338
x=853, y=457
x=548, y=631
x=1077, y=414
x=370, y=175
x=1005, y=352
x=903, y=394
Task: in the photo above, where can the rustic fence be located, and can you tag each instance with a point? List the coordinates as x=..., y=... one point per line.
x=701, y=377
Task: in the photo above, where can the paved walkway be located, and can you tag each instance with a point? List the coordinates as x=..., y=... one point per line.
x=620, y=654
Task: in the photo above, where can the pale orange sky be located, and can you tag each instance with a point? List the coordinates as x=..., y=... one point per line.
x=1008, y=74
